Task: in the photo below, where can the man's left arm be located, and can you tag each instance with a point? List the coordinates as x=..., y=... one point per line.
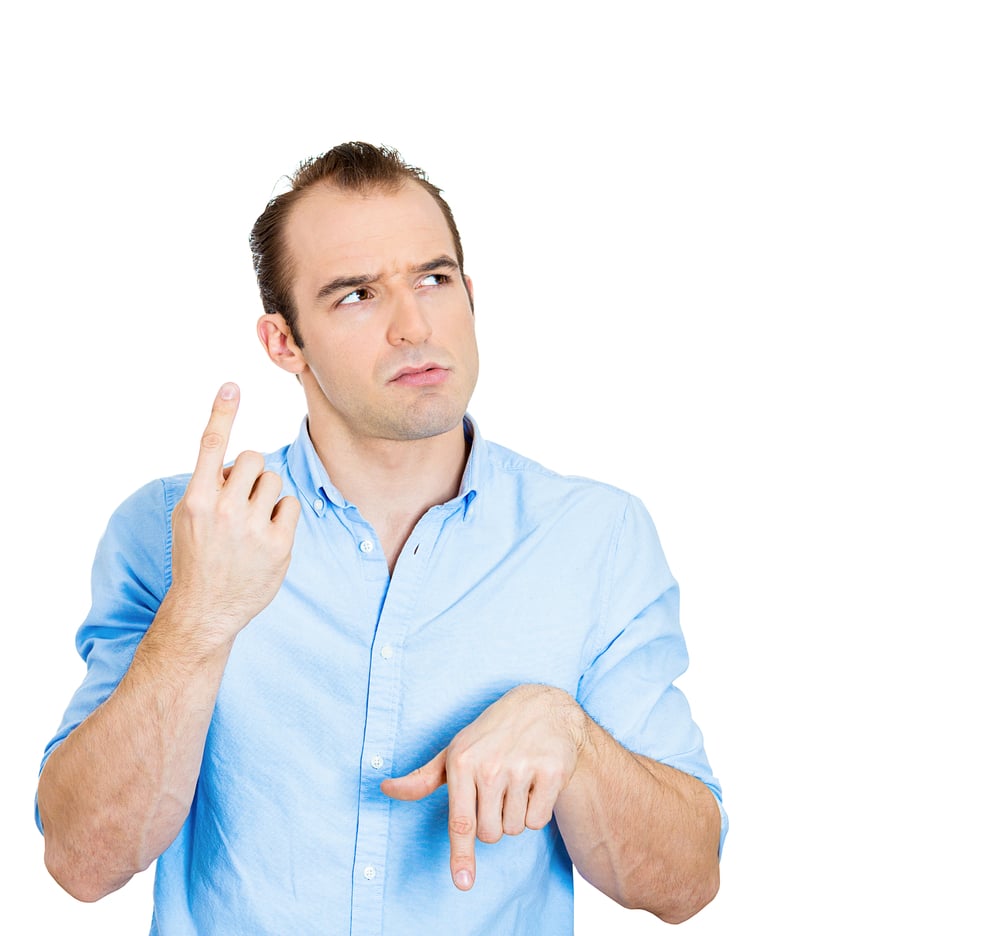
x=645, y=829
x=645, y=834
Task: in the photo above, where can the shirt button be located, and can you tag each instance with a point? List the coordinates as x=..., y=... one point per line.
x=366, y=546
x=386, y=651
x=318, y=504
x=369, y=872
x=377, y=762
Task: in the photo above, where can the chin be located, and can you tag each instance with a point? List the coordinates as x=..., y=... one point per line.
x=425, y=423
x=417, y=431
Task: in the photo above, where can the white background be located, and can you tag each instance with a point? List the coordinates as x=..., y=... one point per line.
x=738, y=258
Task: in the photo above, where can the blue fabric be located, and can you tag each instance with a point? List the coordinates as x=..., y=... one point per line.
x=348, y=677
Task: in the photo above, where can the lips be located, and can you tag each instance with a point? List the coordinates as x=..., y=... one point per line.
x=424, y=375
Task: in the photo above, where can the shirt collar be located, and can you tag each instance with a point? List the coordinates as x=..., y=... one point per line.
x=474, y=476
x=318, y=490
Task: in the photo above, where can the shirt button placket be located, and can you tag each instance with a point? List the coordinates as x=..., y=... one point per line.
x=373, y=806
x=402, y=601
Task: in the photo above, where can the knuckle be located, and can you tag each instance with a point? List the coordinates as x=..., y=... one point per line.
x=251, y=459
x=212, y=439
x=460, y=759
x=548, y=776
x=461, y=825
x=491, y=772
x=489, y=836
x=424, y=772
x=188, y=506
x=538, y=820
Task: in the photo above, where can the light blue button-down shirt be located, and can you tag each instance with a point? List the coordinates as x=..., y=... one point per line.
x=350, y=676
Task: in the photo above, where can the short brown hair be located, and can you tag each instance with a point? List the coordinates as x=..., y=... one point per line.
x=354, y=167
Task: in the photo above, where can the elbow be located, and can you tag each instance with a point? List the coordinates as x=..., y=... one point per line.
x=674, y=900
x=684, y=905
x=78, y=877
x=84, y=858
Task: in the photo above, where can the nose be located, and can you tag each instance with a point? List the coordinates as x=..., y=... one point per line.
x=408, y=322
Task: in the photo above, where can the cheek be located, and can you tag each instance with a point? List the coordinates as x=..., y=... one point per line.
x=335, y=347
x=333, y=363
x=461, y=325
x=470, y=338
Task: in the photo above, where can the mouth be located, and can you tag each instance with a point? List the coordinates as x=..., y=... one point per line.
x=425, y=375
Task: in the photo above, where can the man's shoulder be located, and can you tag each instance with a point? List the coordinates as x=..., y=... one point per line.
x=154, y=496
x=528, y=474
x=161, y=495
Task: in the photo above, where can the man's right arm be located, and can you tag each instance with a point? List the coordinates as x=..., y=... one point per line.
x=115, y=793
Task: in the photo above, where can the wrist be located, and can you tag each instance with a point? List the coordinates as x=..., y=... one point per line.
x=575, y=721
x=192, y=630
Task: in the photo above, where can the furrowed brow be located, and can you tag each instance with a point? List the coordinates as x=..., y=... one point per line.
x=341, y=283
x=344, y=282
x=438, y=263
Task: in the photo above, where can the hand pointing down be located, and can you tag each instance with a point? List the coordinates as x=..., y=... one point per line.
x=504, y=771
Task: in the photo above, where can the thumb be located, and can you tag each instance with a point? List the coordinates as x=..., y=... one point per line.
x=418, y=783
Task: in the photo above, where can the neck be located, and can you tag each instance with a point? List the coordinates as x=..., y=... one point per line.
x=382, y=476
x=392, y=483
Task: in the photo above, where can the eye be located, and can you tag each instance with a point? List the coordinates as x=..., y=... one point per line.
x=359, y=295
x=435, y=279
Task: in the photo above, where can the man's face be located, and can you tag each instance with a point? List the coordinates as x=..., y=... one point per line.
x=388, y=345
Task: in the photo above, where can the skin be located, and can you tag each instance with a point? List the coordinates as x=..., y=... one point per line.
x=394, y=446
x=641, y=832
x=388, y=362
x=109, y=816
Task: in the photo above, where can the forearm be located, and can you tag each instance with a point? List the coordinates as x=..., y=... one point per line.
x=645, y=834
x=116, y=792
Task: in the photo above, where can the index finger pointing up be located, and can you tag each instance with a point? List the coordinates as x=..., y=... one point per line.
x=212, y=454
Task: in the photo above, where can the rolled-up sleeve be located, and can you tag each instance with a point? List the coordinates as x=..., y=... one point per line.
x=129, y=578
x=639, y=652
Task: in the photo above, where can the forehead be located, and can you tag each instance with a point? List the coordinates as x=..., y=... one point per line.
x=330, y=231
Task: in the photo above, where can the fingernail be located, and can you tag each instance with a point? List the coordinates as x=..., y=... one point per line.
x=228, y=391
x=464, y=880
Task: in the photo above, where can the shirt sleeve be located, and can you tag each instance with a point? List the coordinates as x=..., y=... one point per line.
x=638, y=654
x=129, y=578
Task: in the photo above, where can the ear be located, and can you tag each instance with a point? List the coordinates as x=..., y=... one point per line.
x=276, y=337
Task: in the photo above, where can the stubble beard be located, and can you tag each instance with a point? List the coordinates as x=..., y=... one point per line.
x=424, y=419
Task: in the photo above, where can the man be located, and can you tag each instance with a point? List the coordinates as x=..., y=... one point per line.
x=316, y=679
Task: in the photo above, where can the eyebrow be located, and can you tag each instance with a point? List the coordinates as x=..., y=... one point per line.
x=340, y=283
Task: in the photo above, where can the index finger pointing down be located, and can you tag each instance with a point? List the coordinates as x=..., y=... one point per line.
x=462, y=828
x=212, y=454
